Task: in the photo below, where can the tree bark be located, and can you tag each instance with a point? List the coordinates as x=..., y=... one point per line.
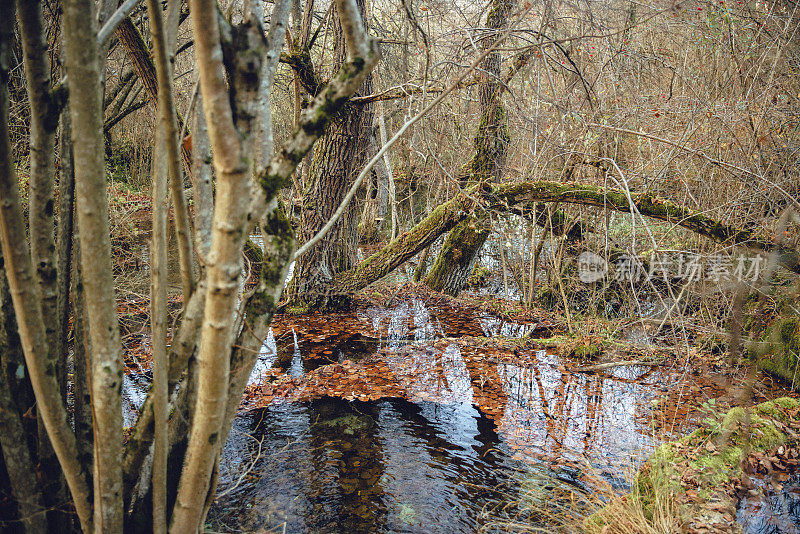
x=45, y=110
x=228, y=235
x=337, y=159
x=83, y=64
x=26, y=296
x=460, y=249
x=14, y=444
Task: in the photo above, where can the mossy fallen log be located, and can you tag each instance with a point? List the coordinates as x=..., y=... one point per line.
x=510, y=197
x=505, y=196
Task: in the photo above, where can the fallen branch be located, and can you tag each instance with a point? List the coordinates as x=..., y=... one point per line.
x=609, y=365
x=509, y=197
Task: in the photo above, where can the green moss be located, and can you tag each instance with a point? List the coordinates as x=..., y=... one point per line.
x=480, y=274
x=778, y=352
x=298, y=308
x=661, y=475
x=587, y=350
x=577, y=346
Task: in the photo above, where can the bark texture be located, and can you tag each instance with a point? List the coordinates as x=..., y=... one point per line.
x=145, y=69
x=223, y=269
x=45, y=109
x=337, y=159
x=460, y=249
x=25, y=294
x=17, y=455
x=84, y=76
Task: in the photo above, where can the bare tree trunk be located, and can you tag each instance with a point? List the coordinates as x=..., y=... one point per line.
x=166, y=162
x=45, y=111
x=84, y=78
x=231, y=134
x=65, y=232
x=81, y=382
x=13, y=443
x=27, y=300
x=223, y=269
x=387, y=200
x=44, y=123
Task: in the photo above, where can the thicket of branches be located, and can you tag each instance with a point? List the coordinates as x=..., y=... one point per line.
x=621, y=125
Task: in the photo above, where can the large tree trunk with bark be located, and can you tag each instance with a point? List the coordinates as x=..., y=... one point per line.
x=338, y=157
x=462, y=246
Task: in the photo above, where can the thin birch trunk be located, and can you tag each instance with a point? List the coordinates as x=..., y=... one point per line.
x=169, y=122
x=84, y=79
x=223, y=269
x=165, y=161
x=387, y=163
x=26, y=296
x=81, y=382
x=13, y=443
x=43, y=126
x=64, y=233
x=158, y=322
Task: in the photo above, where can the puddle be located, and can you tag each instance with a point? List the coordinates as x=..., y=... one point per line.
x=381, y=466
x=440, y=439
x=302, y=344
x=435, y=434
x=771, y=512
x=381, y=420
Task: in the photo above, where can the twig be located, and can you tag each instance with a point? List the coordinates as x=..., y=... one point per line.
x=609, y=365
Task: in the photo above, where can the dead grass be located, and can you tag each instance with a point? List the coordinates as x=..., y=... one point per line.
x=548, y=504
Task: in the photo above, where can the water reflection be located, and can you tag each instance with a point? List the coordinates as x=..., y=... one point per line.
x=774, y=512
x=384, y=466
x=441, y=441
x=443, y=432
x=301, y=344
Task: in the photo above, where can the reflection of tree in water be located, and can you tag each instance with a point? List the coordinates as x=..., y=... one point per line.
x=345, y=445
x=458, y=471
x=334, y=466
